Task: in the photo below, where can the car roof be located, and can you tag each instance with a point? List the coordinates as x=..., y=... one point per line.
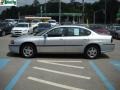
x=71, y=26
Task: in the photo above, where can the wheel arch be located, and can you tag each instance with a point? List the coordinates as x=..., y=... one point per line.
x=93, y=44
x=27, y=43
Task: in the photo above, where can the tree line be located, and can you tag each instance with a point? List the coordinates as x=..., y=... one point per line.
x=97, y=8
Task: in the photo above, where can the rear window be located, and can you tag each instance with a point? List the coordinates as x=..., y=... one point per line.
x=76, y=32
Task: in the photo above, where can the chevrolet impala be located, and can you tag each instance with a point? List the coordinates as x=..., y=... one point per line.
x=63, y=39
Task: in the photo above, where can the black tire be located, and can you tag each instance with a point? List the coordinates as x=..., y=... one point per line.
x=92, y=54
x=27, y=53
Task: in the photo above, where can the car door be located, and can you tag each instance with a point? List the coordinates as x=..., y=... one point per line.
x=75, y=39
x=53, y=41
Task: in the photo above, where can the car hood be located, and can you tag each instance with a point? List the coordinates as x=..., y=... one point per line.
x=19, y=28
x=28, y=38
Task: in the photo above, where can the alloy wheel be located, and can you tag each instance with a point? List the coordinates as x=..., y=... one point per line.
x=28, y=51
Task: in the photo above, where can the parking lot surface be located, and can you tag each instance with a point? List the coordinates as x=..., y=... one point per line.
x=58, y=72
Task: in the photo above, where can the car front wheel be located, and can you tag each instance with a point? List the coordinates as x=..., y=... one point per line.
x=28, y=50
x=92, y=52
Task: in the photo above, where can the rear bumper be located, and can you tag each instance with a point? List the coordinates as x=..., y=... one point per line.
x=107, y=48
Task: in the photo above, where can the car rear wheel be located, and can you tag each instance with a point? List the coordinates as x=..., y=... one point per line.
x=92, y=52
x=28, y=51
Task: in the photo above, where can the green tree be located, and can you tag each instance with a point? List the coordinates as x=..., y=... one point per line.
x=72, y=1
x=36, y=3
x=112, y=7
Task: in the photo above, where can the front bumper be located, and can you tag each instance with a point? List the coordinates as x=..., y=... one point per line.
x=14, y=48
x=20, y=33
x=107, y=48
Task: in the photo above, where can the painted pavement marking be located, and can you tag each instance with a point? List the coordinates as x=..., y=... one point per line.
x=3, y=62
x=47, y=62
x=104, y=79
x=53, y=84
x=62, y=73
x=20, y=72
x=61, y=61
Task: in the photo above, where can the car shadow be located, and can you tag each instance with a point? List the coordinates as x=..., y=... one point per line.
x=58, y=56
x=13, y=55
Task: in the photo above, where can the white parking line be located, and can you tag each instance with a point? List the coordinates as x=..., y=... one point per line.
x=62, y=73
x=62, y=61
x=60, y=64
x=53, y=84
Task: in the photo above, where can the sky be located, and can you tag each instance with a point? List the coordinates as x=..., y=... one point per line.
x=28, y=2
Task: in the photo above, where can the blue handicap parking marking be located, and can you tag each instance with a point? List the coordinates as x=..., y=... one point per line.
x=101, y=75
x=3, y=62
x=17, y=76
x=116, y=64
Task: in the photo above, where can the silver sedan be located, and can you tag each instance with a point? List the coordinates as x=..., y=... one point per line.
x=63, y=39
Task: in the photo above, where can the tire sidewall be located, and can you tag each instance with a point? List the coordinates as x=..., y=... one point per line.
x=32, y=46
x=87, y=48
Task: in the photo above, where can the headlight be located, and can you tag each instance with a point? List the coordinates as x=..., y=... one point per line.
x=25, y=31
x=12, y=42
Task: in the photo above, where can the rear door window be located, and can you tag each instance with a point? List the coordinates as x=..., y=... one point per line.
x=74, y=31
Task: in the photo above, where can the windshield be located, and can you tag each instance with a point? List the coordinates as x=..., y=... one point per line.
x=44, y=25
x=40, y=33
x=22, y=25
